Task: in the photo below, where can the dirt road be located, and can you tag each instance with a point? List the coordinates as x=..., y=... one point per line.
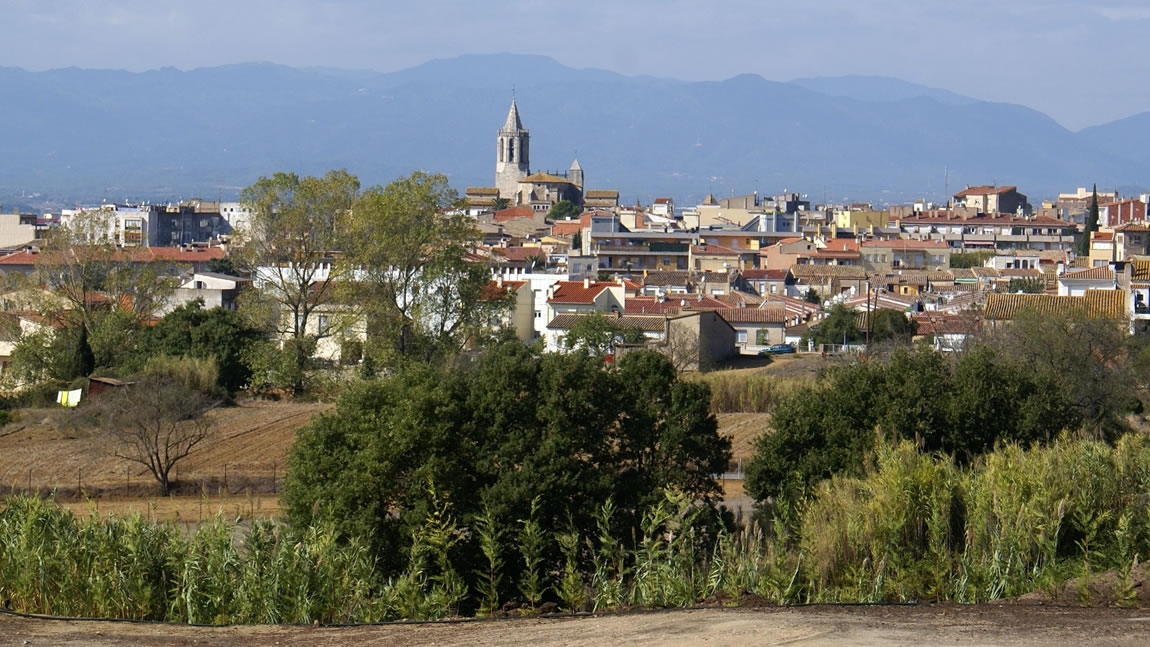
x=809, y=626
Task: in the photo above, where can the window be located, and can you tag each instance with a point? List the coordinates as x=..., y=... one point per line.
x=322, y=324
x=741, y=336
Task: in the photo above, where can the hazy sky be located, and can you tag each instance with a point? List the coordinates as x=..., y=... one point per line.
x=1080, y=61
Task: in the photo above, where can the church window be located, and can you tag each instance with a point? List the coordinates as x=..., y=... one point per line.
x=511, y=150
x=500, y=150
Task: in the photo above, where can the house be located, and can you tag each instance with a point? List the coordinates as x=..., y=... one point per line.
x=714, y=258
x=1077, y=283
x=966, y=229
x=1109, y=305
x=887, y=255
x=757, y=328
x=946, y=331
x=520, y=316
x=993, y=199
x=216, y=291
x=828, y=280
x=585, y=297
x=763, y=281
x=1121, y=212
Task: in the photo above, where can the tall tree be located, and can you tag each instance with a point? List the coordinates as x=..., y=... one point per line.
x=95, y=289
x=292, y=248
x=410, y=245
x=1082, y=246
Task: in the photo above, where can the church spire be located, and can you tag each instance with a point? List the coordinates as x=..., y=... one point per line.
x=513, y=124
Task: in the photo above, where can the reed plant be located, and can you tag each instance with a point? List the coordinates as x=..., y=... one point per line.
x=913, y=527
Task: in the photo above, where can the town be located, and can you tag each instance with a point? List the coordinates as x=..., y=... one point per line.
x=738, y=276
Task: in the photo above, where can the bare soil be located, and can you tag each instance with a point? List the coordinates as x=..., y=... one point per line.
x=60, y=450
x=816, y=625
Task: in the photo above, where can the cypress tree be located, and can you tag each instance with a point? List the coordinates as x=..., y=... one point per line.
x=1082, y=246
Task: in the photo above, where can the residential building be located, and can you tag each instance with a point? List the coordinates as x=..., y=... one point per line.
x=993, y=199
x=887, y=255
x=1121, y=212
x=961, y=230
x=17, y=230
x=757, y=328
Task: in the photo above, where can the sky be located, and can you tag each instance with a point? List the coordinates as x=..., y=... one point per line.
x=1082, y=62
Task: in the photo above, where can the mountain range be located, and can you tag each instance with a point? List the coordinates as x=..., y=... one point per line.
x=167, y=134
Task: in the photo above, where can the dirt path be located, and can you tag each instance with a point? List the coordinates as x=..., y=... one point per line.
x=810, y=626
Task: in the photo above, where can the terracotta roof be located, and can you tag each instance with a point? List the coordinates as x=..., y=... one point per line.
x=662, y=278
x=1005, y=219
x=936, y=323
x=566, y=227
x=1096, y=273
x=600, y=194
x=825, y=271
x=513, y=212
x=764, y=275
x=544, y=178
x=136, y=254
x=481, y=190
x=646, y=323
x=520, y=254
x=1141, y=270
x=1021, y=273
x=574, y=292
x=652, y=305
x=492, y=290
x=700, y=302
x=662, y=200
x=984, y=190
x=905, y=243
x=1095, y=304
x=740, y=299
x=775, y=313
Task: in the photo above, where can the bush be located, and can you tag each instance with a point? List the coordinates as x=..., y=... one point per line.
x=198, y=375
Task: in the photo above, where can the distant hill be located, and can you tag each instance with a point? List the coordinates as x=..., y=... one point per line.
x=879, y=88
x=169, y=134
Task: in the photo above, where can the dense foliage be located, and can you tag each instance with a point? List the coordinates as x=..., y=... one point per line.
x=1023, y=383
x=520, y=435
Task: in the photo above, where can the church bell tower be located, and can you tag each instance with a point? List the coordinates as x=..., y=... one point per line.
x=513, y=161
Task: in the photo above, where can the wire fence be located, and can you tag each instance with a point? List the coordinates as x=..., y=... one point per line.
x=230, y=479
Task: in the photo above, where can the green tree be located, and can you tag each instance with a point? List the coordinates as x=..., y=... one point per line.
x=194, y=331
x=1082, y=245
x=498, y=433
x=892, y=325
x=960, y=406
x=410, y=244
x=500, y=203
x=812, y=296
x=222, y=266
x=599, y=334
x=564, y=210
x=840, y=326
x=297, y=228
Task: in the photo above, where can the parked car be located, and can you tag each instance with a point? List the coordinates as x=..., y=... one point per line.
x=777, y=349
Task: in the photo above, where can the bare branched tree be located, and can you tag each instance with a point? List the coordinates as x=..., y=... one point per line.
x=157, y=422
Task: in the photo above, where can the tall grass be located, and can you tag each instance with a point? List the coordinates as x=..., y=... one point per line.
x=914, y=527
x=745, y=392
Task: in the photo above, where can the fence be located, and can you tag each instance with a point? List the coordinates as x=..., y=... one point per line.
x=231, y=479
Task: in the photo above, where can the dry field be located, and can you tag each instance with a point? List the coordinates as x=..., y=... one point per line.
x=53, y=450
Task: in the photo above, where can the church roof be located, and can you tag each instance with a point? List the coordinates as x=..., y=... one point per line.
x=710, y=201
x=575, y=166
x=513, y=123
x=544, y=178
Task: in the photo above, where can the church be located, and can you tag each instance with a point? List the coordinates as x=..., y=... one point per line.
x=519, y=187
